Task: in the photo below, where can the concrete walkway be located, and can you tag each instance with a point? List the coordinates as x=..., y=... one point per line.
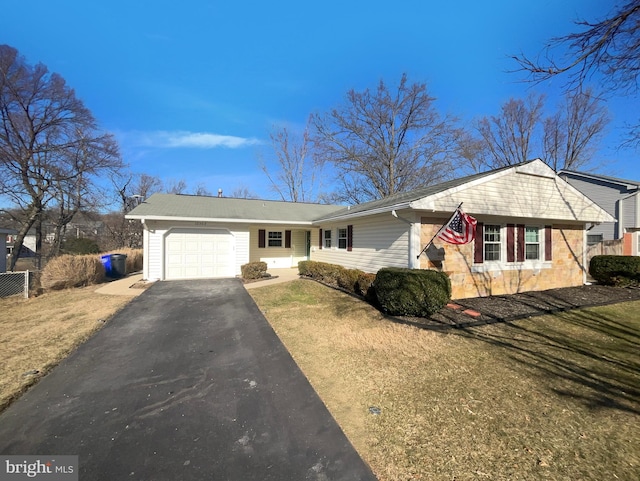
x=187, y=382
x=122, y=287
x=278, y=276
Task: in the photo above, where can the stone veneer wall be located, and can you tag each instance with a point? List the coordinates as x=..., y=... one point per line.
x=566, y=270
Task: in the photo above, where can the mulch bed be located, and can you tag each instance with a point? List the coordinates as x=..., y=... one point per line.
x=487, y=310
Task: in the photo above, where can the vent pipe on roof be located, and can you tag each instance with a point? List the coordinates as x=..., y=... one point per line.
x=219, y=192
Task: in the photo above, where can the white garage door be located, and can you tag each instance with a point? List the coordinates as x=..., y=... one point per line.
x=197, y=254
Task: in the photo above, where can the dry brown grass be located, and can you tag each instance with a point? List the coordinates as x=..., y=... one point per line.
x=553, y=397
x=134, y=258
x=69, y=271
x=38, y=333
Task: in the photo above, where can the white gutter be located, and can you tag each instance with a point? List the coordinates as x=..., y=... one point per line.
x=379, y=210
x=219, y=220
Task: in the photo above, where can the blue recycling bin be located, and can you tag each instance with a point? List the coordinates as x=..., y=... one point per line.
x=115, y=265
x=106, y=262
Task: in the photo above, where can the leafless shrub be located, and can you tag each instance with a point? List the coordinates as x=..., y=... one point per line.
x=69, y=271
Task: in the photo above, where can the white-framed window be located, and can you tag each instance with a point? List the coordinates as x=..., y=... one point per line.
x=274, y=239
x=492, y=242
x=327, y=238
x=531, y=243
x=342, y=238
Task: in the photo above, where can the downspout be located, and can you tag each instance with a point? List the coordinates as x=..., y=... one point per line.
x=413, y=240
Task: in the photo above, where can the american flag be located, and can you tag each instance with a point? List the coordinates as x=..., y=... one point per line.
x=460, y=229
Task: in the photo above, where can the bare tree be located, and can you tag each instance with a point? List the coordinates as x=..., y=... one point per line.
x=175, y=186
x=295, y=177
x=385, y=141
x=47, y=139
x=610, y=47
x=243, y=192
x=507, y=138
x=571, y=135
x=567, y=139
x=202, y=190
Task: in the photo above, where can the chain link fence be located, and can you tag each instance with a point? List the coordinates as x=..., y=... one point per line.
x=14, y=283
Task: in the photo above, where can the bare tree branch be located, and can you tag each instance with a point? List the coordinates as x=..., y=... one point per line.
x=386, y=141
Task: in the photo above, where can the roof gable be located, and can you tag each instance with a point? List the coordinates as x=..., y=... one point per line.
x=527, y=190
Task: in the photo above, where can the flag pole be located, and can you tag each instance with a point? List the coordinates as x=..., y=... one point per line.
x=439, y=230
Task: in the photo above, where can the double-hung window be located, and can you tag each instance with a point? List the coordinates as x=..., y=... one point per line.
x=275, y=239
x=492, y=242
x=342, y=238
x=327, y=238
x=531, y=243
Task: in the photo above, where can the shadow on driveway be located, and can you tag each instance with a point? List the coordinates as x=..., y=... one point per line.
x=187, y=382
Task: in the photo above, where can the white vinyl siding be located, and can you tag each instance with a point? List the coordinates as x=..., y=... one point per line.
x=280, y=257
x=378, y=241
x=529, y=196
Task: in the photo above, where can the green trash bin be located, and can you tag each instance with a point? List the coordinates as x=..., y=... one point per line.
x=118, y=265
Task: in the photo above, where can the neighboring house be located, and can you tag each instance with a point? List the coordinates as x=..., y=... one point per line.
x=530, y=233
x=3, y=247
x=28, y=244
x=620, y=198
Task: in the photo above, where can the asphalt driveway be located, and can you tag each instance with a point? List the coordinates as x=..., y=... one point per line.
x=187, y=382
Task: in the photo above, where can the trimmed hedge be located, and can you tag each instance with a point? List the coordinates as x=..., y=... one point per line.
x=335, y=275
x=254, y=270
x=411, y=292
x=616, y=270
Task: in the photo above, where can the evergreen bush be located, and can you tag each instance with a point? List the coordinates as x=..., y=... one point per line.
x=411, y=292
x=254, y=270
x=615, y=270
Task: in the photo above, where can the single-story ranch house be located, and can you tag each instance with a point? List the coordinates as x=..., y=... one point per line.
x=530, y=235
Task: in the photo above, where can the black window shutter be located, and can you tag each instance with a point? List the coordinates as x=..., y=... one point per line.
x=320, y=240
x=287, y=239
x=520, y=243
x=478, y=244
x=511, y=243
x=349, y=238
x=548, y=247
x=261, y=238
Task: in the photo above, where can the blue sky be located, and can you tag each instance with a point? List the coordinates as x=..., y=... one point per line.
x=192, y=88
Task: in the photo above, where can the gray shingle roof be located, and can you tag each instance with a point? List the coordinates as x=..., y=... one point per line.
x=615, y=180
x=202, y=207
x=407, y=197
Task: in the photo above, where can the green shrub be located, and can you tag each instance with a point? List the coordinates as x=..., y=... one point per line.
x=364, y=283
x=411, y=292
x=348, y=278
x=80, y=246
x=304, y=268
x=320, y=271
x=364, y=286
x=616, y=270
x=254, y=270
x=68, y=271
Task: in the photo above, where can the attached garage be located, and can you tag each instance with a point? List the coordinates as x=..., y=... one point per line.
x=199, y=237
x=198, y=253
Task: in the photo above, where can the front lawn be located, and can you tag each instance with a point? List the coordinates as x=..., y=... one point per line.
x=553, y=397
x=38, y=333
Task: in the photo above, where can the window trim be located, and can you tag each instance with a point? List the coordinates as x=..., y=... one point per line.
x=515, y=240
x=326, y=240
x=344, y=239
x=275, y=239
